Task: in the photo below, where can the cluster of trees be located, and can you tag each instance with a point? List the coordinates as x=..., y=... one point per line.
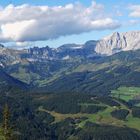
x=92, y=109
x=120, y=114
x=136, y=112
x=105, y=132
x=72, y=103
x=108, y=101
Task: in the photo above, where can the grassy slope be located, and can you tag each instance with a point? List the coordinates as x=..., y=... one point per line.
x=126, y=93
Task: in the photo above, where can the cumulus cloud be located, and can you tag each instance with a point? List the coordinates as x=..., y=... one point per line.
x=135, y=11
x=33, y=23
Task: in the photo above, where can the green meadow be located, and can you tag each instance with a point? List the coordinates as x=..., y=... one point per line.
x=126, y=93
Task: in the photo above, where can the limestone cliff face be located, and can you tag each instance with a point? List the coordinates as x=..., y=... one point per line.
x=118, y=42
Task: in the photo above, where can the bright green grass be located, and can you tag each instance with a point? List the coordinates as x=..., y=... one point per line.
x=132, y=122
x=138, y=105
x=126, y=93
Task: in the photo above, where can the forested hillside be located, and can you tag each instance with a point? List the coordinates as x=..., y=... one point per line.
x=71, y=116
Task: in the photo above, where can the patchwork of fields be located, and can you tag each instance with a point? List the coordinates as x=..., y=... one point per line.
x=118, y=102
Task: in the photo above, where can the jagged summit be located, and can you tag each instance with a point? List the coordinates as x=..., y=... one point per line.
x=118, y=42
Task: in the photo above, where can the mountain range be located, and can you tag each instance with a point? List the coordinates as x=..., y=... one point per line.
x=107, y=46
x=86, y=67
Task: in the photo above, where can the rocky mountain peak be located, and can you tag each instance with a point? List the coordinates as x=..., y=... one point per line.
x=118, y=42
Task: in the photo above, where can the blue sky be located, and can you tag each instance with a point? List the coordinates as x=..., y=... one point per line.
x=117, y=16
x=64, y=2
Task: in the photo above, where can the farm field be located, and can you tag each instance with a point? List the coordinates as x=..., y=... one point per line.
x=126, y=93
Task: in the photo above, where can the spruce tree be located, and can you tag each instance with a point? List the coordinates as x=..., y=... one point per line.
x=7, y=131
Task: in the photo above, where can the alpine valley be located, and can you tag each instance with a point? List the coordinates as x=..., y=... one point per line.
x=85, y=91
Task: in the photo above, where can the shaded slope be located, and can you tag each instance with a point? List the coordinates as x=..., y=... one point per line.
x=8, y=82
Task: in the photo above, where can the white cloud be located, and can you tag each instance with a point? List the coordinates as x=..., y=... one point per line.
x=33, y=23
x=23, y=44
x=17, y=30
x=135, y=11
